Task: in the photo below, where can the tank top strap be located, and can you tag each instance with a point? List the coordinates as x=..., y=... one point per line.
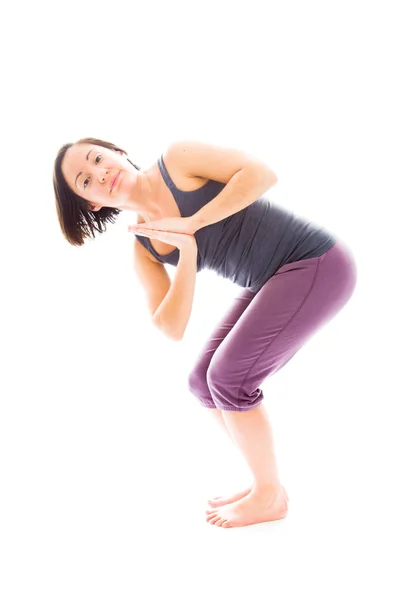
x=165, y=173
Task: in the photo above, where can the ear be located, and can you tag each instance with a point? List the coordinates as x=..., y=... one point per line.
x=121, y=152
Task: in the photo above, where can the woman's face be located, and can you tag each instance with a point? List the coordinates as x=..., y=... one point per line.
x=103, y=177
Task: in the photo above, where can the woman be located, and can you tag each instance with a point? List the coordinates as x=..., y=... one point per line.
x=202, y=206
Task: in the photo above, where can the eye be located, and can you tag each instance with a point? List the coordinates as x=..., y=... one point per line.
x=97, y=160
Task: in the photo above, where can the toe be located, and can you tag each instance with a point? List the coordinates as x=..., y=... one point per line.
x=213, y=520
x=216, y=501
x=212, y=516
x=225, y=524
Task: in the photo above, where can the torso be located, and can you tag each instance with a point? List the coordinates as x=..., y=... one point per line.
x=170, y=208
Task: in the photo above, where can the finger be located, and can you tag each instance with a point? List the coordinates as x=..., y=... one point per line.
x=135, y=228
x=142, y=226
x=152, y=233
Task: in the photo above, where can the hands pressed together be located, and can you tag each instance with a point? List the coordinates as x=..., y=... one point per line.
x=177, y=231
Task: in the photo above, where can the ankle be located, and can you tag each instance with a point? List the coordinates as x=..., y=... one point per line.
x=267, y=488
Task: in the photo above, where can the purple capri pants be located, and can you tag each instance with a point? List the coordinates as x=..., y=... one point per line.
x=262, y=331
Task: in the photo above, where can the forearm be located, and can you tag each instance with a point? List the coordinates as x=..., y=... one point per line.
x=244, y=188
x=173, y=314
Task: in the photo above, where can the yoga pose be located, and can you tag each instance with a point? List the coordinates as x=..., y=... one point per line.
x=201, y=206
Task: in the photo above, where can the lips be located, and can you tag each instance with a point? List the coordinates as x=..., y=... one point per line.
x=114, y=181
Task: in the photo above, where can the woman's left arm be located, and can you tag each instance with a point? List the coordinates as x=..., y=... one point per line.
x=244, y=188
x=246, y=177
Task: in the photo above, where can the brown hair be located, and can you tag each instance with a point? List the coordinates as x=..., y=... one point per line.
x=76, y=220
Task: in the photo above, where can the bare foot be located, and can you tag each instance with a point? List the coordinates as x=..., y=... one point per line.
x=222, y=500
x=256, y=507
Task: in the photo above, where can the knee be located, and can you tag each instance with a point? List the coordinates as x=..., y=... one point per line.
x=227, y=391
x=197, y=380
x=221, y=386
x=197, y=383
x=218, y=376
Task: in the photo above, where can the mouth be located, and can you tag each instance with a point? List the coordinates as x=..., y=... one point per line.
x=114, y=181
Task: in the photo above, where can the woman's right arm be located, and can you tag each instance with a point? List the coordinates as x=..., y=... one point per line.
x=173, y=314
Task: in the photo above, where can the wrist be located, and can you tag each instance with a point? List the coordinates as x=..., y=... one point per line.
x=191, y=245
x=196, y=223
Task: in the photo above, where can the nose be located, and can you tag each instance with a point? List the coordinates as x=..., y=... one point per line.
x=104, y=176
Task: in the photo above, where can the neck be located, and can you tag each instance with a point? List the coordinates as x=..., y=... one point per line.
x=145, y=197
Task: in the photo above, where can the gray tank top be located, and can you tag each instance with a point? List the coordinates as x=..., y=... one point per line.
x=249, y=246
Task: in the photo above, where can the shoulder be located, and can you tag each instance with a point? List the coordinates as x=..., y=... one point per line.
x=195, y=158
x=174, y=161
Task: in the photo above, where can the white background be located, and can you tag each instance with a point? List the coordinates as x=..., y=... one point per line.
x=107, y=459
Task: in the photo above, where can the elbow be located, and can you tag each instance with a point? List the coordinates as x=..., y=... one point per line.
x=270, y=178
x=171, y=335
x=177, y=337
x=264, y=173
x=274, y=179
